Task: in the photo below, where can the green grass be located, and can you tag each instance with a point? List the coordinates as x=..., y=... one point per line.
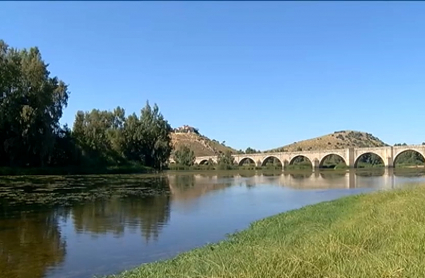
x=372, y=235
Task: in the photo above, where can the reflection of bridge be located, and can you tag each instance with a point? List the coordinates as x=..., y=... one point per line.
x=350, y=156
x=303, y=180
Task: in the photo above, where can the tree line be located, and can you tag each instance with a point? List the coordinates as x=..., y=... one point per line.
x=32, y=103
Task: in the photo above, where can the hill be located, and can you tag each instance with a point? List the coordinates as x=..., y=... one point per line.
x=337, y=140
x=200, y=144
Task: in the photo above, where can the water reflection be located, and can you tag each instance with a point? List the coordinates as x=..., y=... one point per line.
x=149, y=214
x=29, y=245
x=85, y=226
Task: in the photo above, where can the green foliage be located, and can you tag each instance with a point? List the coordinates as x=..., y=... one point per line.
x=368, y=160
x=184, y=156
x=31, y=104
x=300, y=162
x=271, y=163
x=147, y=138
x=98, y=133
x=399, y=144
x=109, y=138
x=333, y=161
x=225, y=161
x=409, y=158
x=251, y=150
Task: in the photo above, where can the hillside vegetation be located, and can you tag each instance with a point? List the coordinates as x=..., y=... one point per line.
x=337, y=140
x=203, y=146
x=200, y=144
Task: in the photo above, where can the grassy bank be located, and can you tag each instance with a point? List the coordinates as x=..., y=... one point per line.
x=373, y=235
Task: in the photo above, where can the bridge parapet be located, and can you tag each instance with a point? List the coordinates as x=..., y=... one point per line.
x=408, y=146
x=305, y=152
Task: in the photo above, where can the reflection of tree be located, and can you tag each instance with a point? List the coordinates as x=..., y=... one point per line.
x=332, y=175
x=300, y=175
x=29, y=245
x=407, y=172
x=188, y=188
x=248, y=174
x=370, y=173
x=184, y=180
x=272, y=174
x=150, y=213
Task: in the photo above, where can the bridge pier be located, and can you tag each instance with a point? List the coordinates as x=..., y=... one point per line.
x=390, y=158
x=350, y=158
x=316, y=164
x=285, y=164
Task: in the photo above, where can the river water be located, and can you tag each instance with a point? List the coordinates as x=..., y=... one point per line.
x=83, y=226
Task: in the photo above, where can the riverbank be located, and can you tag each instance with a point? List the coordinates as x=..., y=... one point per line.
x=380, y=234
x=75, y=170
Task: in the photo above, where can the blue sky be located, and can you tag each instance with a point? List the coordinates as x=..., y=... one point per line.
x=249, y=73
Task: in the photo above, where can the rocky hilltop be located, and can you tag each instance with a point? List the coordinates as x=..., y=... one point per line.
x=337, y=140
x=200, y=144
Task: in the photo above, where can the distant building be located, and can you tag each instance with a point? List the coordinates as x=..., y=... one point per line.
x=186, y=129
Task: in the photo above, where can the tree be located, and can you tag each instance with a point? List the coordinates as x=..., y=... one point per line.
x=31, y=104
x=147, y=139
x=156, y=137
x=225, y=160
x=99, y=133
x=66, y=150
x=250, y=150
x=184, y=156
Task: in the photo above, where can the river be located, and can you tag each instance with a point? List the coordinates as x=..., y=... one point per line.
x=81, y=226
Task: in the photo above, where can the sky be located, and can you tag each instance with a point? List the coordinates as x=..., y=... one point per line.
x=252, y=74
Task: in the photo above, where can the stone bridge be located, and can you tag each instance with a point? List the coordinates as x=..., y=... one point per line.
x=350, y=156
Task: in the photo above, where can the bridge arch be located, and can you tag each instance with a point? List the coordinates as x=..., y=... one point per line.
x=326, y=156
x=358, y=158
x=245, y=159
x=267, y=158
x=203, y=162
x=301, y=159
x=400, y=154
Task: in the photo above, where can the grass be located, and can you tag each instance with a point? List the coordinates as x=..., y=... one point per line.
x=371, y=235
